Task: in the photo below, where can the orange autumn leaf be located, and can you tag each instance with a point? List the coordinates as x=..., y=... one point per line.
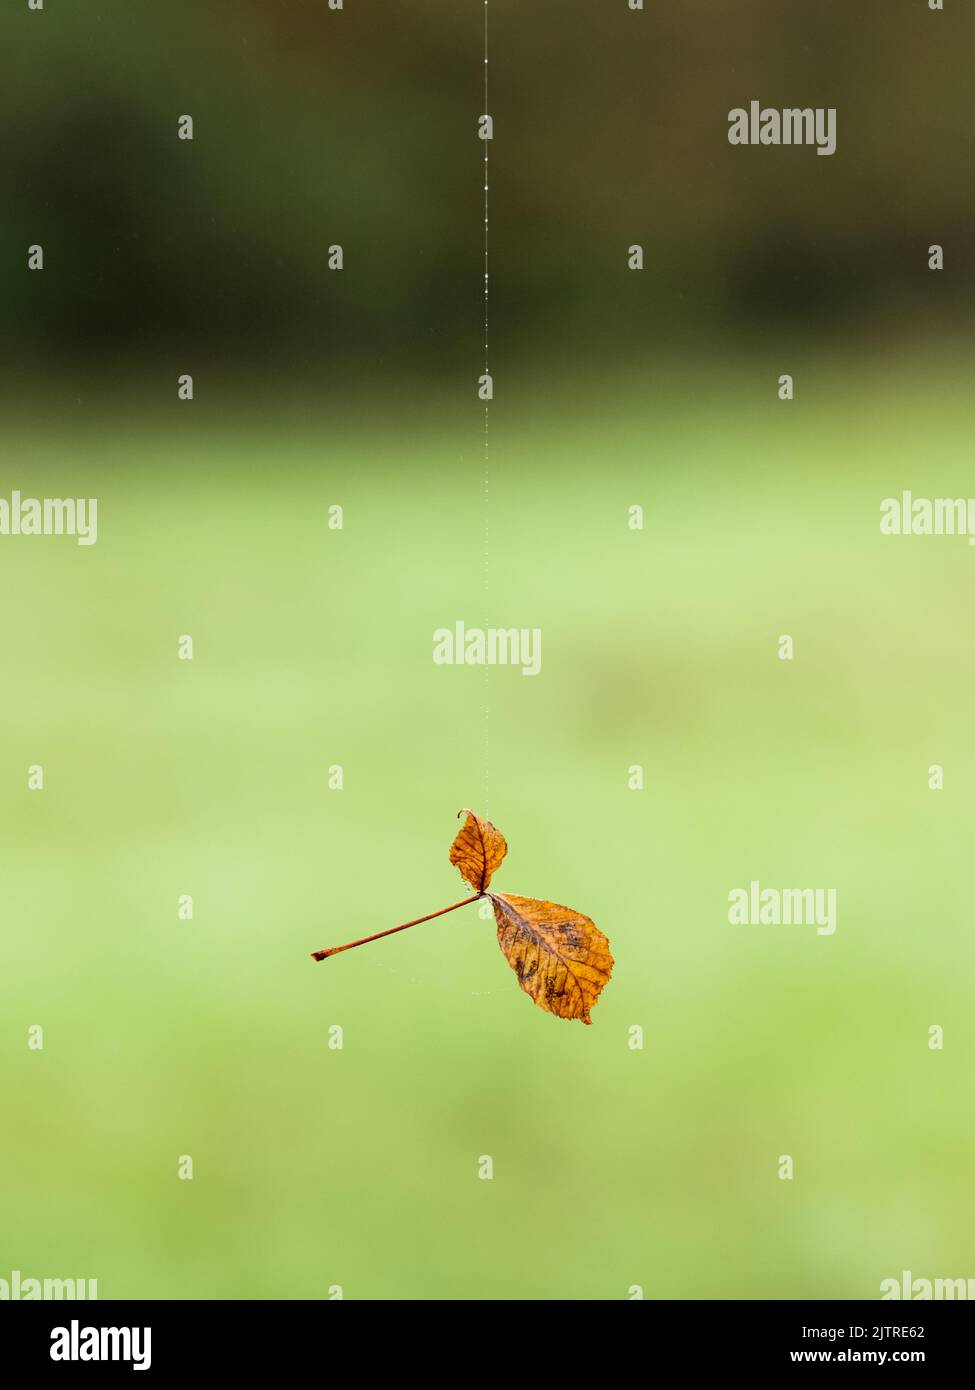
x=561, y=958
x=478, y=850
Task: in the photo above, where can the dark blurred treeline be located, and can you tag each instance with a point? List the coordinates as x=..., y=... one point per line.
x=314, y=127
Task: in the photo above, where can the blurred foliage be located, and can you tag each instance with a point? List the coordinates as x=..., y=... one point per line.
x=358, y=127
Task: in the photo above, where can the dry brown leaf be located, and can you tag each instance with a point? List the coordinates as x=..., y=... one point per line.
x=561, y=958
x=477, y=850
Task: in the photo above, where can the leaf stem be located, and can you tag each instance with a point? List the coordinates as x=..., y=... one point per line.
x=334, y=950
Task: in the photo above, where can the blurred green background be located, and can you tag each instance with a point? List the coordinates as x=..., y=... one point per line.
x=359, y=1167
